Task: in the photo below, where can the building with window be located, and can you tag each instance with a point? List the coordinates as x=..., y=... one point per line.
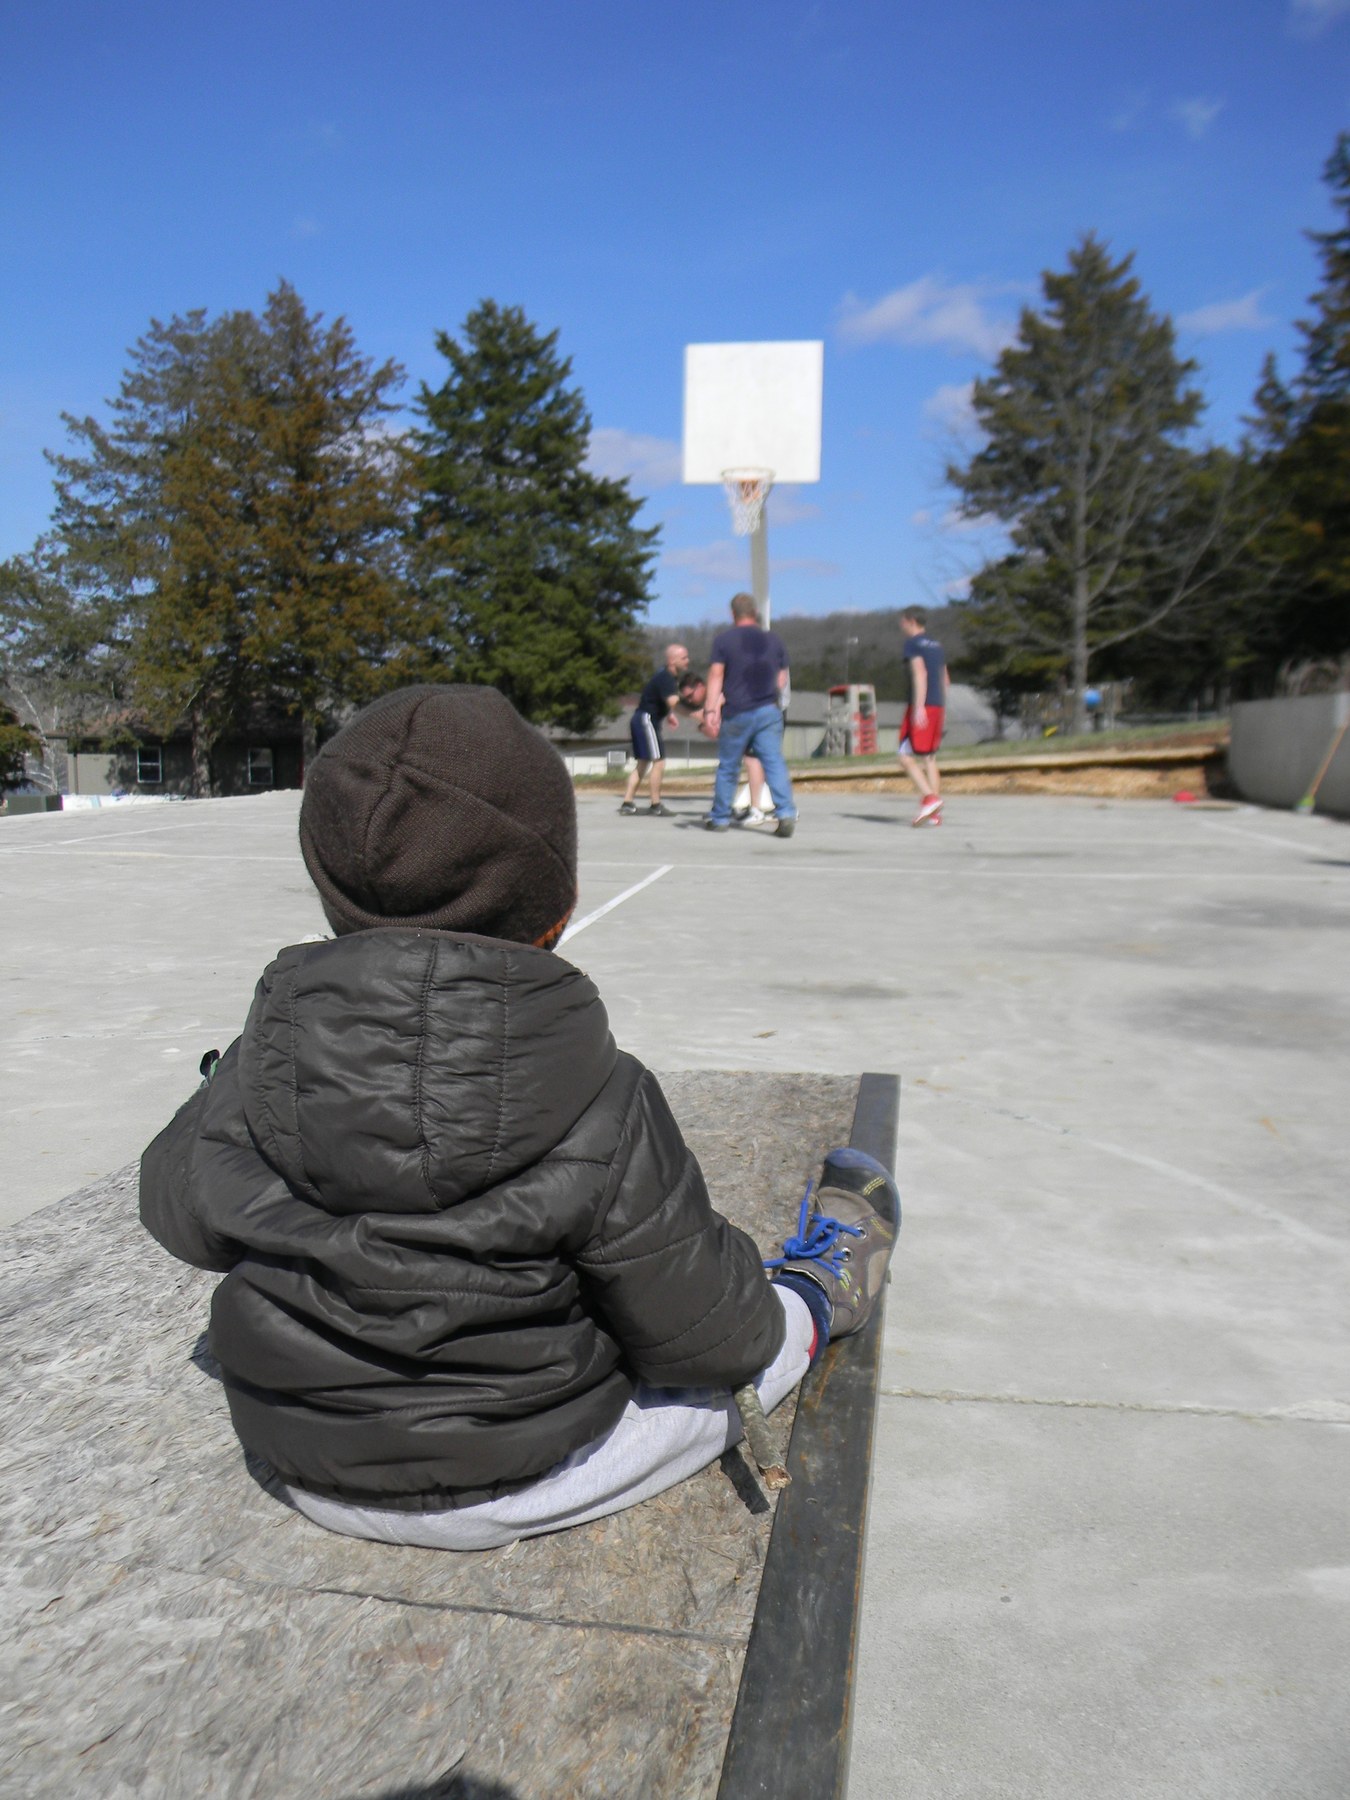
x=123, y=758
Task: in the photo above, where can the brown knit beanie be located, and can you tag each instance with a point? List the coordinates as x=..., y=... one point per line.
x=441, y=807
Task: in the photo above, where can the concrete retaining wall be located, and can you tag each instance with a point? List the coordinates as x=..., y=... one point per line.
x=1277, y=748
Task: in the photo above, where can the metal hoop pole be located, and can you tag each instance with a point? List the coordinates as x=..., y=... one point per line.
x=759, y=565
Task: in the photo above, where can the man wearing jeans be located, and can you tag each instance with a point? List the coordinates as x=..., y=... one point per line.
x=748, y=674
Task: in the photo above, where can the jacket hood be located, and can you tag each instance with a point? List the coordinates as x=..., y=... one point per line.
x=404, y=1071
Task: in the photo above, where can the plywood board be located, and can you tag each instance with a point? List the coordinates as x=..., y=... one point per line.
x=170, y=1629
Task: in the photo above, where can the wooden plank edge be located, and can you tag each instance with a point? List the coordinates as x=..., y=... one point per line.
x=793, y=1718
x=1174, y=756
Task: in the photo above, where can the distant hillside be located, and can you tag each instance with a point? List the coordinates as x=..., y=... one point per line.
x=816, y=646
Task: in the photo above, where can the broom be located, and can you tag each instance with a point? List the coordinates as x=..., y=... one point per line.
x=1305, y=805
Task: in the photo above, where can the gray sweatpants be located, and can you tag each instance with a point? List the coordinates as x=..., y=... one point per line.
x=663, y=1436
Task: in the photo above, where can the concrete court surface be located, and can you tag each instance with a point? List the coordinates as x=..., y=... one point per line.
x=1107, y=1550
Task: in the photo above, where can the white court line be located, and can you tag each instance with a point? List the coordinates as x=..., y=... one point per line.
x=88, y=837
x=956, y=871
x=1260, y=837
x=177, y=856
x=952, y=872
x=1011, y=844
x=618, y=900
x=1256, y=1209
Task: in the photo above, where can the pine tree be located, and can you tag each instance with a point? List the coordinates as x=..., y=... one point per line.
x=534, y=566
x=63, y=652
x=1085, y=420
x=190, y=654
x=332, y=618
x=247, y=511
x=145, y=517
x=1303, y=431
x=17, y=743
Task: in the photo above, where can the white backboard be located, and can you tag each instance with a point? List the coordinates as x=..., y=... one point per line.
x=753, y=406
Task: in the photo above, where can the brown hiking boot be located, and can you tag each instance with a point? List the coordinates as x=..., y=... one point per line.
x=845, y=1236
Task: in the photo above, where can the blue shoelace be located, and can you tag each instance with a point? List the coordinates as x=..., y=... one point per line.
x=820, y=1244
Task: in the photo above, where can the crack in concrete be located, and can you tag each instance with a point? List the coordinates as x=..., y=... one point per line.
x=1256, y=1209
x=1308, y=1412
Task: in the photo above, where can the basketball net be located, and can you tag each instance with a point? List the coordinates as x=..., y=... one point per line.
x=747, y=490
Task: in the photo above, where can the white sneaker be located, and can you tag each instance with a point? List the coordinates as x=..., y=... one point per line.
x=755, y=816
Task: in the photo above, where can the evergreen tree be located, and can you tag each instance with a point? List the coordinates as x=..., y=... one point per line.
x=1303, y=431
x=1084, y=460
x=190, y=645
x=331, y=618
x=109, y=518
x=63, y=653
x=246, y=510
x=17, y=743
x=534, y=566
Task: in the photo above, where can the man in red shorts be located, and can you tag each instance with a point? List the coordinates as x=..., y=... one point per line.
x=921, y=727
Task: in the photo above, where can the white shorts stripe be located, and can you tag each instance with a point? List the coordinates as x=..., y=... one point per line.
x=647, y=731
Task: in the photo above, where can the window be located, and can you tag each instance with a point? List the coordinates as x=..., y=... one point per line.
x=261, y=770
x=149, y=764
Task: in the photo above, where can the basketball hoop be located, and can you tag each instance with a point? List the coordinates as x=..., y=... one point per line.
x=747, y=490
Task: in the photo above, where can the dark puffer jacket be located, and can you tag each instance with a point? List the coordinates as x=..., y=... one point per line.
x=455, y=1221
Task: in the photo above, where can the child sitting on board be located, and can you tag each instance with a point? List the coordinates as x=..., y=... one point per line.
x=470, y=1266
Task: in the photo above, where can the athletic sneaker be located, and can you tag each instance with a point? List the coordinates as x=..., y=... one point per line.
x=845, y=1238
x=931, y=805
x=711, y=824
x=657, y=811
x=628, y=808
x=755, y=816
x=785, y=828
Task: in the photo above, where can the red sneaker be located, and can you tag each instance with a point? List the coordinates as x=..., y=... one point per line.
x=930, y=809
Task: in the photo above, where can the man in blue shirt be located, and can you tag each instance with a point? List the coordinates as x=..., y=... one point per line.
x=921, y=728
x=748, y=674
x=658, y=705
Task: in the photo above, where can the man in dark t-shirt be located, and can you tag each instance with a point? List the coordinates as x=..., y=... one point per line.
x=657, y=704
x=743, y=711
x=921, y=728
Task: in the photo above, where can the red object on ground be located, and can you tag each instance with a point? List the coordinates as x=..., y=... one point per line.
x=1184, y=797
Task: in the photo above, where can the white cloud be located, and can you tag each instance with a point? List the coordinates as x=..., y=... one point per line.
x=926, y=311
x=652, y=462
x=819, y=567
x=1227, y=315
x=726, y=564
x=956, y=524
x=728, y=560
x=1309, y=17
x=1196, y=115
x=786, y=507
x=950, y=407
x=1130, y=111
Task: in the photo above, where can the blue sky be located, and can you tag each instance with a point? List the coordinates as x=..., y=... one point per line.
x=890, y=177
